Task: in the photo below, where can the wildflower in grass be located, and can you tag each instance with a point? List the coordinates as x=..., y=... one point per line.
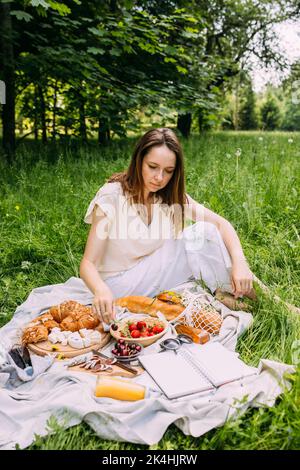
x=260, y=139
x=290, y=141
x=237, y=154
x=17, y=208
x=228, y=155
x=25, y=264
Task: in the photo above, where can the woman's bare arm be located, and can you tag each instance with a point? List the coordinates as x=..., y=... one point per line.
x=242, y=277
x=92, y=257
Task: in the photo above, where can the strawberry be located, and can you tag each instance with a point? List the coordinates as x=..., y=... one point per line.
x=135, y=334
x=132, y=327
x=157, y=329
x=140, y=325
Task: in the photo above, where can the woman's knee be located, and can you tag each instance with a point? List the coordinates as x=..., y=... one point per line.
x=201, y=231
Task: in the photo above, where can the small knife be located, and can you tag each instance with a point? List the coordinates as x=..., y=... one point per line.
x=117, y=363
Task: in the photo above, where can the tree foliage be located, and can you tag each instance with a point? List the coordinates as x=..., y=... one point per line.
x=270, y=114
x=86, y=68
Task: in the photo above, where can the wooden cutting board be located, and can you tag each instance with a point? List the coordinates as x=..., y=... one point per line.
x=116, y=371
x=46, y=347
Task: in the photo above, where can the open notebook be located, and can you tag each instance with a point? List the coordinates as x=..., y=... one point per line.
x=194, y=368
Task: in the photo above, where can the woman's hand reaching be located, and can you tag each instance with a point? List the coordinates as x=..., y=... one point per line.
x=241, y=279
x=103, y=304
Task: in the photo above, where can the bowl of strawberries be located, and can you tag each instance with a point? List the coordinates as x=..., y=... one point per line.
x=142, y=330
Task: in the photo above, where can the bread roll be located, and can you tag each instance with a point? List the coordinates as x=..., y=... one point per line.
x=208, y=319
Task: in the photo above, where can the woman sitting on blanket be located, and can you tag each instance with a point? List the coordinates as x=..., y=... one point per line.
x=139, y=243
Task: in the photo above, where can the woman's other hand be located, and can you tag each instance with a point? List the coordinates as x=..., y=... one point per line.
x=241, y=279
x=103, y=304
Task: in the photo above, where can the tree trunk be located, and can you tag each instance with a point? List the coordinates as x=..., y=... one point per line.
x=236, y=108
x=8, y=74
x=36, y=125
x=184, y=122
x=54, y=111
x=201, y=124
x=82, y=123
x=103, y=132
x=43, y=113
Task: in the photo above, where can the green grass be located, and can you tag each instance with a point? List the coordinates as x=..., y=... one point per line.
x=43, y=236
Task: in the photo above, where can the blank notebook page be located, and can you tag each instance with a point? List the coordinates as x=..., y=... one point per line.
x=218, y=363
x=175, y=375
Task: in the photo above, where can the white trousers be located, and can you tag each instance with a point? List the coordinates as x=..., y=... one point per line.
x=199, y=254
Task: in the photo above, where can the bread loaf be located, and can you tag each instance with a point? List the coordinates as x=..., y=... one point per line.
x=141, y=304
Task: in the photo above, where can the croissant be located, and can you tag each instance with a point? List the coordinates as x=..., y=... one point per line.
x=61, y=311
x=141, y=304
x=35, y=334
x=80, y=312
x=86, y=321
x=69, y=324
x=49, y=324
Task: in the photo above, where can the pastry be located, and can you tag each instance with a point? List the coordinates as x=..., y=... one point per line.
x=68, y=316
x=35, y=334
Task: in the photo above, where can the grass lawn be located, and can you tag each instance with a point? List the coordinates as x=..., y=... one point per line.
x=44, y=197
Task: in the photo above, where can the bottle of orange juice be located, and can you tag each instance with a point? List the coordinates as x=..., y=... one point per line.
x=119, y=389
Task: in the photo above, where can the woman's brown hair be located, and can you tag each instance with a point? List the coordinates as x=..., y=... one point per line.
x=132, y=180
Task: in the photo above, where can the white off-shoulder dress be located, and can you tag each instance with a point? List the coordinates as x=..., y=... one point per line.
x=143, y=259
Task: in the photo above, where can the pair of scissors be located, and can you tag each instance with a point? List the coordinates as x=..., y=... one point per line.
x=173, y=344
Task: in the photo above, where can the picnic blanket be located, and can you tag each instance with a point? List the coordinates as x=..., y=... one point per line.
x=52, y=390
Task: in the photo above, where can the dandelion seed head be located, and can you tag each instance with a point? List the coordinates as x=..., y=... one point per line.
x=25, y=264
